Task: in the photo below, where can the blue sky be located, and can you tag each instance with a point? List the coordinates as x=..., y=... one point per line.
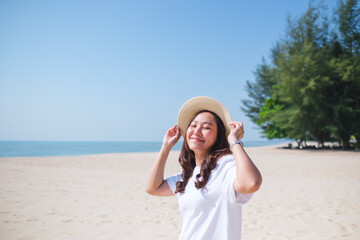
x=120, y=70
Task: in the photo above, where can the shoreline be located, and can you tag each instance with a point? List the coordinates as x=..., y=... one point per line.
x=308, y=194
x=282, y=146
x=63, y=148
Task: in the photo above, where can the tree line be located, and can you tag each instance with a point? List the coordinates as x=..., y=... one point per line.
x=309, y=89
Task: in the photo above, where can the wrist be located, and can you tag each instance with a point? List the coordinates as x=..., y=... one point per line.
x=232, y=139
x=239, y=142
x=166, y=147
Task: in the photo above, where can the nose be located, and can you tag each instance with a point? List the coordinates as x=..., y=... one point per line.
x=197, y=131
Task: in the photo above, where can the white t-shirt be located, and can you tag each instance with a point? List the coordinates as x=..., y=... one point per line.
x=213, y=212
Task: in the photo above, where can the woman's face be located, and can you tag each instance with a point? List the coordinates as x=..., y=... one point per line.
x=202, y=133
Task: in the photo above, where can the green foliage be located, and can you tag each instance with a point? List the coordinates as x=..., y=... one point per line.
x=259, y=91
x=311, y=88
x=268, y=111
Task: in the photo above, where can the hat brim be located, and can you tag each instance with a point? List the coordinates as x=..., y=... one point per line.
x=197, y=104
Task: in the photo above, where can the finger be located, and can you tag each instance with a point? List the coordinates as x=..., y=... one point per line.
x=172, y=130
x=175, y=129
x=232, y=124
x=240, y=125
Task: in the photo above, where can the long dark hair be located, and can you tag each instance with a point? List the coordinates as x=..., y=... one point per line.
x=187, y=157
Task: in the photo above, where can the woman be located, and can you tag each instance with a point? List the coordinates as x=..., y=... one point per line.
x=217, y=174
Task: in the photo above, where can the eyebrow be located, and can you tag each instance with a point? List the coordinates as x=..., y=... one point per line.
x=210, y=123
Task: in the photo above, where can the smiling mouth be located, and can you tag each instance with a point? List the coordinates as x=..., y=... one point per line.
x=197, y=139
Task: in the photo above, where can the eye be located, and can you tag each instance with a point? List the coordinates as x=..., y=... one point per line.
x=207, y=126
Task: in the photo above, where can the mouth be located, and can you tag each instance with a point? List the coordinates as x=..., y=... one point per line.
x=197, y=139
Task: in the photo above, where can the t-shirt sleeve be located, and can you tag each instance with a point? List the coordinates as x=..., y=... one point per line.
x=234, y=196
x=173, y=180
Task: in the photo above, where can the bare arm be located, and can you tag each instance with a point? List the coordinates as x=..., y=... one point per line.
x=248, y=178
x=156, y=184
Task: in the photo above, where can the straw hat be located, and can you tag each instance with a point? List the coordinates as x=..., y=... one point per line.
x=197, y=104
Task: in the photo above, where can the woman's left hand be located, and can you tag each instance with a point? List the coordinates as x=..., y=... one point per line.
x=248, y=178
x=237, y=131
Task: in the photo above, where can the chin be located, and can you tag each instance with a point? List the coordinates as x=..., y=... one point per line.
x=196, y=148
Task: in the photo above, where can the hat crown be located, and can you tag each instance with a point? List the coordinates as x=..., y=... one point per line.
x=202, y=103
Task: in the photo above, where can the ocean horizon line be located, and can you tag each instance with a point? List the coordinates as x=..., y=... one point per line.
x=35, y=148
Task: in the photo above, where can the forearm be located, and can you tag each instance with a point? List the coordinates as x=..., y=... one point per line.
x=156, y=177
x=248, y=177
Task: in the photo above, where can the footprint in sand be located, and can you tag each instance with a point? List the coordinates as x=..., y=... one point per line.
x=33, y=220
x=108, y=221
x=51, y=213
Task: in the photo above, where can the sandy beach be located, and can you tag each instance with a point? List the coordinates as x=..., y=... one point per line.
x=306, y=194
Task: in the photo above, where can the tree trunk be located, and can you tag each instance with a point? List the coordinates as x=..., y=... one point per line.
x=345, y=143
x=299, y=143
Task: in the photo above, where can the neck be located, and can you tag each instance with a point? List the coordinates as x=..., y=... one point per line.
x=199, y=158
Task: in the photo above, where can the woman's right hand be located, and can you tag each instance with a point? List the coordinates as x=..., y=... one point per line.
x=157, y=185
x=172, y=136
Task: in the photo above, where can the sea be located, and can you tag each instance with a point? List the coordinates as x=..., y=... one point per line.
x=75, y=148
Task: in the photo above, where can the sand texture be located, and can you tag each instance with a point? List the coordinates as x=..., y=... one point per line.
x=305, y=195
